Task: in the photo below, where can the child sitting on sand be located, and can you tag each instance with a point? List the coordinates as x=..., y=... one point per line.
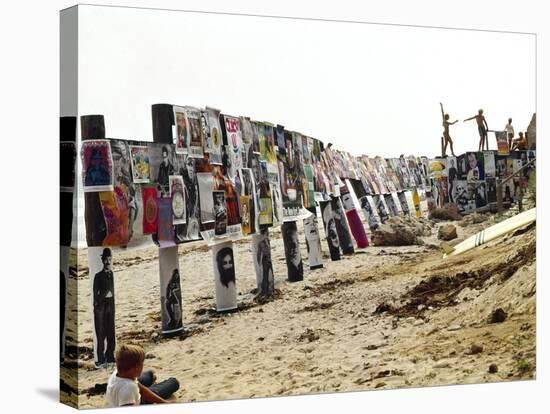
x=129, y=386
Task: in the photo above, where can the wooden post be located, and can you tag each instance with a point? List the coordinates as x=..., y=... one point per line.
x=499, y=196
x=163, y=119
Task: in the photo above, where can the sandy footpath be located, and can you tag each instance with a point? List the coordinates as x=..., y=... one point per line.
x=386, y=317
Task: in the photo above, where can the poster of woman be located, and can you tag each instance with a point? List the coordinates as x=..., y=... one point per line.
x=170, y=288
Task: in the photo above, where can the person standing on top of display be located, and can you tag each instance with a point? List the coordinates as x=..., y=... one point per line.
x=482, y=128
x=446, y=136
x=509, y=132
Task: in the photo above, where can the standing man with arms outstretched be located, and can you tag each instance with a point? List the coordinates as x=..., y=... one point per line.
x=446, y=136
x=482, y=128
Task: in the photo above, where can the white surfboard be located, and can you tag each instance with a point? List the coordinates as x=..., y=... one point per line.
x=491, y=233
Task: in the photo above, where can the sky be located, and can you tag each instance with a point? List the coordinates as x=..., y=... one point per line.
x=367, y=88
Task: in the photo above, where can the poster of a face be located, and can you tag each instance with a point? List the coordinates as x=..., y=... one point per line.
x=462, y=167
x=489, y=163
x=391, y=205
x=170, y=291
x=224, y=276
x=313, y=241
x=460, y=195
x=97, y=165
x=381, y=207
x=103, y=303
x=139, y=156
x=213, y=144
x=182, y=133
x=206, y=186
x=342, y=228
x=261, y=255
x=368, y=211
x=501, y=166
x=403, y=202
x=293, y=256
x=177, y=195
x=162, y=161
x=475, y=166
x=220, y=213
x=330, y=229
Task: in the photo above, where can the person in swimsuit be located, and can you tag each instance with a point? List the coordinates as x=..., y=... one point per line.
x=482, y=128
x=446, y=136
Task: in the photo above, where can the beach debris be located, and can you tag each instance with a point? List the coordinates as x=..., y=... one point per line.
x=476, y=349
x=474, y=218
x=442, y=364
x=447, y=232
x=493, y=369
x=498, y=316
x=454, y=328
x=444, y=214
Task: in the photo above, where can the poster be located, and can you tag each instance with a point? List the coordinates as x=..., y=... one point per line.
x=313, y=241
x=177, y=195
x=162, y=164
x=261, y=256
x=191, y=229
x=206, y=186
x=194, y=132
x=390, y=203
x=475, y=168
x=460, y=196
x=264, y=197
x=330, y=229
x=451, y=172
x=220, y=213
x=234, y=143
x=170, y=291
x=380, y=205
x=213, y=144
x=368, y=210
x=277, y=208
x=502, y=143
x=309, y=187
x=139, y=156
x=97, y=165
x=342, y=228
x=248, y=190
x=295, y=267
x=150, y=210
x=165, y=230
x=182, y=133
x=100, y=264
x=403, y=203
x=224, y=276
x=489, y=163
x=246, y=214
x=354, y=221
x=114, y=205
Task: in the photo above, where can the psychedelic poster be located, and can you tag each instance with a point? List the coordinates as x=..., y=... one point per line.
x=233, y=210
x=177, y=195
x=213, y=140
x=150, y=209
x=165, y=227
x=139, y=157
x=114, y=205
x=97, y=165
x=224, y=276
x=170, y=291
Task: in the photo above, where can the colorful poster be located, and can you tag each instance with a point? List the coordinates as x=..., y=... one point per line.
x=213, y=144
x=269, y=134
x=97, y=165
x=139, y=157
x=114, y=205
x=308, y=194
x=475, y=168
x=165, y=231
x=502, y=143
x=150, y=210
x=265, y=205
x=295, y=267
x=177, y=195
x=170, y=291
x=224, y=276
x=182, y=133
x=206, y=186
x=246, y=216
x=235, y=144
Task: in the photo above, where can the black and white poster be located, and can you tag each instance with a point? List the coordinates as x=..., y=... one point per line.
x=403, y=202
x=368, y=210
x=330, y=229
x=293, y=256
x=100, y=264
x=224, y=276
x=460, y=195
x=452, y=175
x=206, y=187
x=213, y=139
x=313, y=240
x=162, y=165
x=489, y=163
x=220, y=213
x=381, y=207
x=261, y=256
x=491, y=189
x=342, y=228
x=190, y=230
x=391, y=205
x=170, y=290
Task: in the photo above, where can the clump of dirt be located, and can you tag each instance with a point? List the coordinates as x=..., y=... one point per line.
x=329, y=286
x=316, y=306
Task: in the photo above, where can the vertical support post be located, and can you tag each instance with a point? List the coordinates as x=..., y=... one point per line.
x=293, y=256
x=261, y=256
x=163, y=119
x=313, y=241
x=223, y=263
x=499, y=196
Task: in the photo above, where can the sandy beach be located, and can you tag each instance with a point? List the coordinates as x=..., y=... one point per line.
x=386, y=317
